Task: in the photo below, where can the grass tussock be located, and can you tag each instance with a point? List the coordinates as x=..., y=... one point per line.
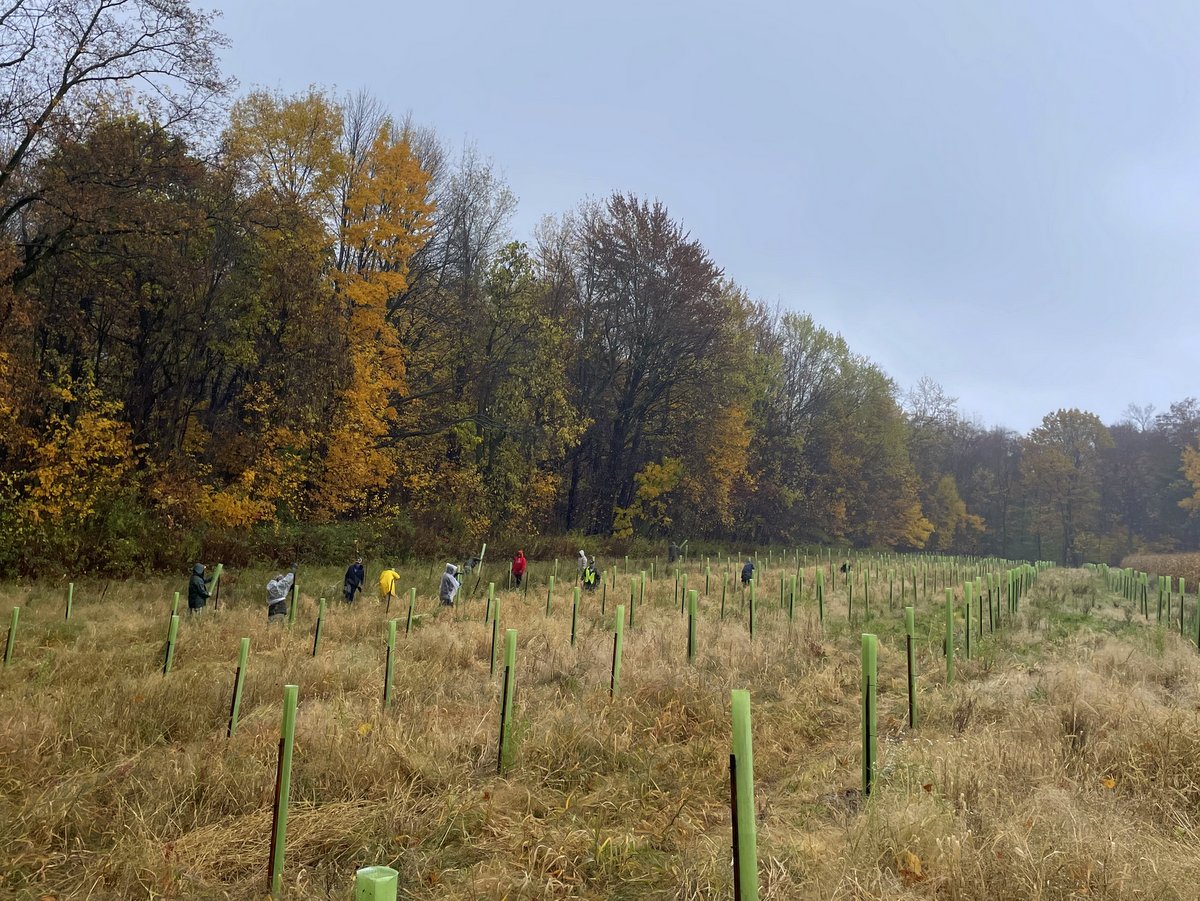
x=1062, y=762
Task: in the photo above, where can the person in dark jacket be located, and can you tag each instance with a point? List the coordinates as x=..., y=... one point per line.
x=356, y=575
x=747, y=572
x=198, y=593
x=673, y=552
x=277, y=594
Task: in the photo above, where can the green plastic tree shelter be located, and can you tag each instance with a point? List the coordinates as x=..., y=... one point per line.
x=172, y=633
x=295, y=601
x=495, y=639
x=870, y=730
x=510, y=675
x=949, y=635
x=283, y=789
x=389, y=664
x=320, y=624
x=614, y=684
x=693, y=614
x=376, y=884
x=910, y=641
x=11, y=641
x=412, y=602
x=70, y=599
x=239, y=678
x=745, y=841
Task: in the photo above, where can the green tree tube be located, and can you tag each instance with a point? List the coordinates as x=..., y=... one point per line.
x=295, y=602
x=11, y=642
x=614, y=684
x=70, y=600
x=283, y=790
x=376, y=884
x=239, y=679
x=550, y=596
x=495, y=639
x=172, y=634
x=412, y=603
x=320, y=625
x=574, y=615
x=389, y=664
x=746, y=836
x=693, y=615
x=910, y=642
x=510, y=675
x=870, y=730
x=949, y=635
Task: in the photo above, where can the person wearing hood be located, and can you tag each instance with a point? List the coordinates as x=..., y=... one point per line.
x=674, y=552
x=356, y=575
x=747, y=572
x=387, y=584
x=198, y=593
x=518, y=568
x=582, y=562
x=449, y=587
x=591, y=578
x=277, y=594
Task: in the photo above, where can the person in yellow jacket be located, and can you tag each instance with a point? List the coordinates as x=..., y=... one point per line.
x=387, y=584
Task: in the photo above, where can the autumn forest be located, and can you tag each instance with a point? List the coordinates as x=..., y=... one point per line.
x=238, y=319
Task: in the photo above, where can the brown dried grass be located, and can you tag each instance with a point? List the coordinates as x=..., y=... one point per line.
x=116, y=782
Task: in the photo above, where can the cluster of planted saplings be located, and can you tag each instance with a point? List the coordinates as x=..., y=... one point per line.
x=867, y=579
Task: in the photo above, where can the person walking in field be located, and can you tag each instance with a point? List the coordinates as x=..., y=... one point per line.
x=277, y=594
x=356, y=575
x=387, y=585
x=518, y=568
x=591, y=578
x=747, y=572
x=449, y=587
x=198, y=593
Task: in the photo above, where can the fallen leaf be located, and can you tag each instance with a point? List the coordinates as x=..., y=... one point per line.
x=364, y=729
x=908, y=865
x=1109, y=782
x=928, y=786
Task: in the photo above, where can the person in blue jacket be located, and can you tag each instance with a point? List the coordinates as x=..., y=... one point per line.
x=356, y=575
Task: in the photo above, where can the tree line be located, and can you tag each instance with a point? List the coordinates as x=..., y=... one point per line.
x=242, y=320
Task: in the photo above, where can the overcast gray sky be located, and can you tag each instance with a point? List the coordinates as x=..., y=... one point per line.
x=1000, y=195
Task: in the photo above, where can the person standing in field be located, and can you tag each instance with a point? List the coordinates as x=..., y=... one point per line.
x=449, y=587
x=198, y=593
x=673, y=552
x=747, y=572
x=591, y=578
x=582, y=562
x=277, y=594
x=518, y=568
x=356, y=575
x=387, y=584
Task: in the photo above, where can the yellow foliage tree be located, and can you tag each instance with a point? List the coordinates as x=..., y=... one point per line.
x=388, y=219
x=1191, y=472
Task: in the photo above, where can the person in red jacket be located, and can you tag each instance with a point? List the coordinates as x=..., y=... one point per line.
x=518, y=568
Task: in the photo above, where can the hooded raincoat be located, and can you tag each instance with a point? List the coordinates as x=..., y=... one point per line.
x=198, y=592
x=277, y=593
x=449, y=587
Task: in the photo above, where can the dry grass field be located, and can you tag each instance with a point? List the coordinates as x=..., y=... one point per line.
x=1185, y=566
x=1063, y=762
